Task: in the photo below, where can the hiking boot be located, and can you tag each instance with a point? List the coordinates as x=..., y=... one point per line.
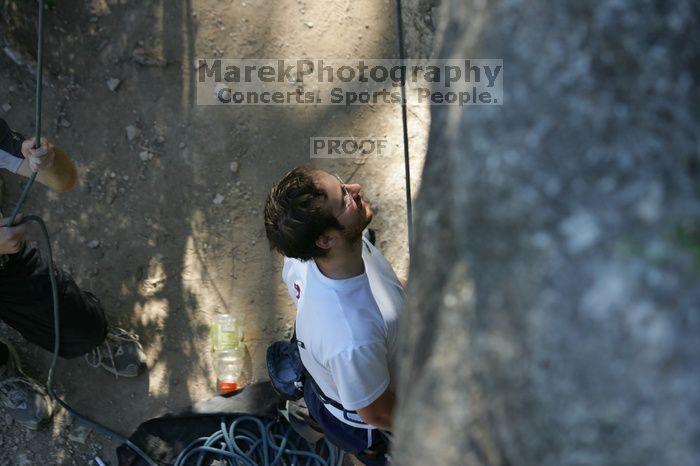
x=23, y=398
x=120, y=353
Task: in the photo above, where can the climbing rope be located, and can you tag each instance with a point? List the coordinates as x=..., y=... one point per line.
x=404, y=120
x=37, y=108
x=250, y=441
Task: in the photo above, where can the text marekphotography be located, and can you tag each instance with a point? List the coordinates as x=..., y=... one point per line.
x=349, y=82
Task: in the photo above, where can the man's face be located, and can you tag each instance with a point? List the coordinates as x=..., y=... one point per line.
x=346, y=203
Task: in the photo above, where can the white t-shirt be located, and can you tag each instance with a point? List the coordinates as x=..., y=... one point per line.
x=348, y=328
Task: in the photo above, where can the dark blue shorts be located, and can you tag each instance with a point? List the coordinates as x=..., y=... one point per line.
x=350, y=439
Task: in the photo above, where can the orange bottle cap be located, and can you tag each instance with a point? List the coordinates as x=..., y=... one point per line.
x=227, y=387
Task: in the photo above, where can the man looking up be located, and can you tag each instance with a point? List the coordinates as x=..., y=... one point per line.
x=348, y=302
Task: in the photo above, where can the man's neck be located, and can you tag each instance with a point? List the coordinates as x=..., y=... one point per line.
x=343, y=263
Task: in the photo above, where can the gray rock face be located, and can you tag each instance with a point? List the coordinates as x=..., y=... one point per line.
x=555, y=283
x=419, y=25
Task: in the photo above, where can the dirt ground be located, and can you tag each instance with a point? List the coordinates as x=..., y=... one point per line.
x=146, y=235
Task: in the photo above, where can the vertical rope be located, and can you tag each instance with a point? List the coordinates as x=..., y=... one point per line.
x=404, y=118
x=37, y=111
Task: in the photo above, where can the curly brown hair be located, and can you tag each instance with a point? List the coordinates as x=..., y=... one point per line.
x=295, y=215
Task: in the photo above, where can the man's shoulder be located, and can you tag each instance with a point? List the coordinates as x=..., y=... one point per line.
x=291, y=264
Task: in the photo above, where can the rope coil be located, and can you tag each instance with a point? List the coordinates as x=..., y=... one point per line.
x=249, y=441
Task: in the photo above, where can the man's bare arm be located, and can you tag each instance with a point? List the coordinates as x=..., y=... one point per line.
x=380, y=413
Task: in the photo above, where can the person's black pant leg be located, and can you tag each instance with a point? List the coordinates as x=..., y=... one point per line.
x=26, y=305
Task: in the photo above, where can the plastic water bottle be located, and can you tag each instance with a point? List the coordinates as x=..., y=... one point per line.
x=229, y=352
x=229, y=365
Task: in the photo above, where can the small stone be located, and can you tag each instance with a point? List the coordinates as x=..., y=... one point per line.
x=79, y=434
x=6, y=107
x=63, y=122
x=94, y=244
x=148, y=57
x=113, y=175
x=145, y=155
x=233, y=167
x=14, y=56
x=132, y=132
x=309, y=24
x=218, y=199
x=182, y=145
x=113, y=84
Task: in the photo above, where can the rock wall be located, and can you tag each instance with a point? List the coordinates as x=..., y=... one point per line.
x=421, y=18
x=555, y=283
